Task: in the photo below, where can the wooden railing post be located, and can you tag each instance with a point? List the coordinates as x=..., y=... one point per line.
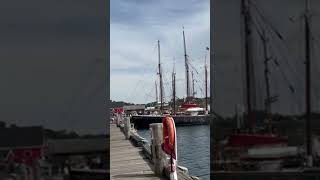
x=156, y=150
x=118, y=120
x=127, y=127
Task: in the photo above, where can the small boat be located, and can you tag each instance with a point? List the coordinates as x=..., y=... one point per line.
x=195, y=111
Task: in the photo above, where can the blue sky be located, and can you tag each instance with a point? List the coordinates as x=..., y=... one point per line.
x=136, y=25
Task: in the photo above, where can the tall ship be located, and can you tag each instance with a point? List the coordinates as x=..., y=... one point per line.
x=191, y=111
x=261, y=148
x=189, y=106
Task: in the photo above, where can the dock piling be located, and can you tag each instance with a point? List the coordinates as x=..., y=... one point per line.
x=156, y=150
x=127, y=127
x=118, y=120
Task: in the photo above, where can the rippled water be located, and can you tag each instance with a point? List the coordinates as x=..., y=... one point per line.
x=193, y=148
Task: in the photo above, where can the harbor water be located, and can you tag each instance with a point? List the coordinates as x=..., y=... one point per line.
x=193, y=148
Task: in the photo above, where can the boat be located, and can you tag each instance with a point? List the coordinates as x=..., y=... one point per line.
x=195, y=111
x=257, y=151
x=249, y=148
x=187, y=105
x=189, y=108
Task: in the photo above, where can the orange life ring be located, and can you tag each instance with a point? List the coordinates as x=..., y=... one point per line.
x=168, y=135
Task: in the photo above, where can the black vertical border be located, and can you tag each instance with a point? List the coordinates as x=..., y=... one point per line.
x=107, y=58
x=211, y=89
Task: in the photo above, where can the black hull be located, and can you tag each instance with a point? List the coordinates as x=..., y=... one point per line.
x=143, y=122
x=266, y=175
x=80, y=174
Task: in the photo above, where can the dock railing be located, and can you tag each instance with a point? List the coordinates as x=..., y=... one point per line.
x=152, y=150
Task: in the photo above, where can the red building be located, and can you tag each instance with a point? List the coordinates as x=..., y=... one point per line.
x=118, y=110
x=25, y=144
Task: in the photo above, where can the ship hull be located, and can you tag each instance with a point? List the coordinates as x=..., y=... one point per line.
x=143, y=121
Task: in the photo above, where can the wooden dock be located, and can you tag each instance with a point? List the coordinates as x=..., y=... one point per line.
x=127, y=161
x=131, y=162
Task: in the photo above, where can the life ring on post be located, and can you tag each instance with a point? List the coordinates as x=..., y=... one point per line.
x=169, y=145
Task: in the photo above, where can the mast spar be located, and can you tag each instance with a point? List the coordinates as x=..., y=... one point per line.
x=308, y=81
x=193, y=91
x=174, y=89
x=160, y=79
x=206, y=80
x=186, y=64
x=245, y=11
x=268, y=99
x=156, y=86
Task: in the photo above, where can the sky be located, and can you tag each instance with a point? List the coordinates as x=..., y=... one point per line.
x=135, y=28
x=53, y=64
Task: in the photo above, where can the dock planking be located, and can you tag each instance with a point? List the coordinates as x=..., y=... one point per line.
x=127, y=161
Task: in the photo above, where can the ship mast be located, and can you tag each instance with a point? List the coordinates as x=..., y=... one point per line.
x=246, y=18
x=186, y=64
x=174, y=90
x=156, y=92
x=206, y=81
x=268, y=99
x=193, y=92
x=160, y=79
x=308, y=82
